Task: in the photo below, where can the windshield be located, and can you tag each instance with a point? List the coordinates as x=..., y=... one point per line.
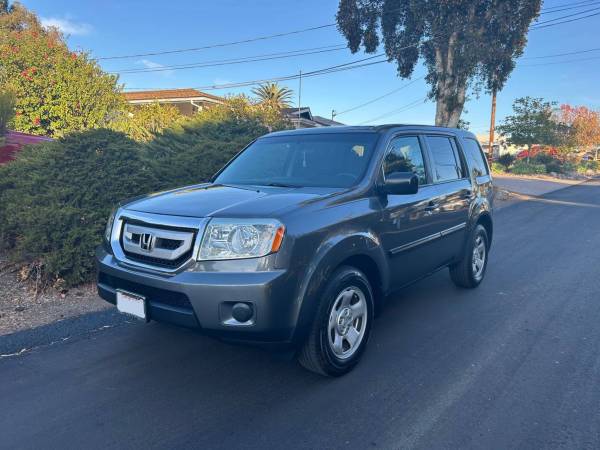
x=323, y=160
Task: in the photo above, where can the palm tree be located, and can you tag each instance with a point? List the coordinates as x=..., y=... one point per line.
x=273, y=95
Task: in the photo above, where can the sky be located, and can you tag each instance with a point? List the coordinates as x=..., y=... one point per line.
x=106, y=28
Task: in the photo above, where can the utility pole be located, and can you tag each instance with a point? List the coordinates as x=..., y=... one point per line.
x=333, y=114
x=299, y=99
x=492, y=129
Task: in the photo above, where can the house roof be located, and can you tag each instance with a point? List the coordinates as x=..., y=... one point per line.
x=328, y=122
x=169, y=94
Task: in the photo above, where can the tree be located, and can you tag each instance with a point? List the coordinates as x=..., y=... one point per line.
x=144, y=122
x=271, y=94
x=57, y=91
x=463, y=42
x=583, y=125
x=531, y=123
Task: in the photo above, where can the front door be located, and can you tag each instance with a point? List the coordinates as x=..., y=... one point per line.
x=411, y=224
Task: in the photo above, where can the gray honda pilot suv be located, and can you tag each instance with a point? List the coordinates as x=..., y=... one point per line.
x=300, y=238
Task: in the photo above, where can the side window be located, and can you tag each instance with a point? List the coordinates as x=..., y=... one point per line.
x=475, y=157
x=405, y=155
x=446, y=161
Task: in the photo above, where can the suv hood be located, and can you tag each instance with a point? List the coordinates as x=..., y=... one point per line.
x=226, y=201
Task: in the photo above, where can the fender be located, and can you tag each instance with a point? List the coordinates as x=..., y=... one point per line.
x=329, y=256
x=481, y=205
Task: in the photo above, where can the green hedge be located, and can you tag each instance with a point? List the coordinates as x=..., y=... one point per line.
x=194, y=152
x=523, y=168
x=55, y=199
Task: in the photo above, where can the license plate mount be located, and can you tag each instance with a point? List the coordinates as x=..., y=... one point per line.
x=132, y=304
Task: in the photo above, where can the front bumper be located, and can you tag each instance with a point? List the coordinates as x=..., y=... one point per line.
x=202, y=300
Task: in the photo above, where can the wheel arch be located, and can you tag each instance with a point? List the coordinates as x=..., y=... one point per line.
x=485, y=220
x=362, y=251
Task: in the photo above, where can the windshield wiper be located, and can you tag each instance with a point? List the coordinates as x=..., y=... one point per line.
x=283, y=185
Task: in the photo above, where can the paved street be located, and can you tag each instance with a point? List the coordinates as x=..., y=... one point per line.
x=515, y=363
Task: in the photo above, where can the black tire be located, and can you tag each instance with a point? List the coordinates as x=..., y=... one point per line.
x=463, y=273
x=317, y=354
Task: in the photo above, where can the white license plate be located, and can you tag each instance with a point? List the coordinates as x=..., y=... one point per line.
x=132, y=304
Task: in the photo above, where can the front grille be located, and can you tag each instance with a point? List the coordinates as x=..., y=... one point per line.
x=153, y=295
x=159, y=262
x=156, y=245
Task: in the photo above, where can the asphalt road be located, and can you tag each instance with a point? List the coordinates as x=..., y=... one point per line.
x=515, y=363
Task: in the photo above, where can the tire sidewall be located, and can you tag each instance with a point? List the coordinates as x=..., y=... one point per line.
x=478, y=231
x=342, y=279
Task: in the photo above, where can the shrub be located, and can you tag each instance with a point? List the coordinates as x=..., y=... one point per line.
x=143, y=122
x=524, y=168
x=498, y=167
x=194, y=151
x=586, y=167
x=55, y=199
x=552, y=164
x=506, y=160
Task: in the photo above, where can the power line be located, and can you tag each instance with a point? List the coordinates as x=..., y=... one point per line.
x=380, y=97
x=556, y=55
x=225, y=62
x=561, y=62
x=397, y=111
x=565, y=21
x=326, y=70
x=224, y=44
x=580, y=4
x=567, y=16
x=568, y=8
x=244, y=41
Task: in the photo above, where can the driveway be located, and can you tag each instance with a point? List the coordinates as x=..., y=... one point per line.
x=514, y=363
x=532, y=185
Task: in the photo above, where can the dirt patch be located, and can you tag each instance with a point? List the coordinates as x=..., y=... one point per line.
x=21, y=307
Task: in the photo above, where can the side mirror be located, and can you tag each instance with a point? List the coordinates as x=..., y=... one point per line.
x=401, y=183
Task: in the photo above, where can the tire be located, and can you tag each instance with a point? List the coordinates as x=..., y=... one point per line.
x=344, y=316
x=470, y=270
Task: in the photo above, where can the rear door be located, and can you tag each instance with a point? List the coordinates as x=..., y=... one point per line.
x=452, y=193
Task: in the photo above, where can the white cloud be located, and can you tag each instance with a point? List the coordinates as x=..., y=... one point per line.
x=67, y=26
x=154, y=65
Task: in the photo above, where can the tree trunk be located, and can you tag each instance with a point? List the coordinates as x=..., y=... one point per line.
x=450, y=90
x=450, y=104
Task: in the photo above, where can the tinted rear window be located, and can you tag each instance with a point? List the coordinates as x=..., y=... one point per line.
x=475, y=157
x=446, y=163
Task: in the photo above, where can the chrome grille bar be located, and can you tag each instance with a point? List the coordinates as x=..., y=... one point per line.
x=172, y=238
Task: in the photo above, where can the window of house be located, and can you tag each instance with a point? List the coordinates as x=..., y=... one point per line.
x=405, y=156
x=475, y=157
x=446, y=162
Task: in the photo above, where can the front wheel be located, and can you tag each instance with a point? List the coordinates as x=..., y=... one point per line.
x=341, y=328
x=469, y=272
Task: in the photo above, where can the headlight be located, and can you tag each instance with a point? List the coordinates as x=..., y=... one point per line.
x=109, y=225
x=240, y=238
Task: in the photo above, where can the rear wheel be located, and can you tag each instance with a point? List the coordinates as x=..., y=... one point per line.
x=341, y=328
x=470, y=271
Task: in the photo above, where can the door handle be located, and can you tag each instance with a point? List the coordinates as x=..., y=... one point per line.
x=431, y=206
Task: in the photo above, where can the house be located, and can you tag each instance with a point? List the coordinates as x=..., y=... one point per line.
x=501, y=146
x=303, y=118
x=187, y=101
x=14, y=141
